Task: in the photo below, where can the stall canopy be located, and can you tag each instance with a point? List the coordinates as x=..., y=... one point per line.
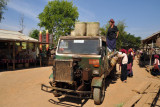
x=6, y=35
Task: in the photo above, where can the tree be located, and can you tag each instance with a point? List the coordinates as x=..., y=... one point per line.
x=125, y=40
x=34, y=34
x=59, y=17
x=132, y=41
x=121, y=38
x=3, y=4
x=104, y=29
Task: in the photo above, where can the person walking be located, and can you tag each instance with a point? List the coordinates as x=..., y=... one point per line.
x=123, y=65
x=112, y=35
x=156, y=70
x=130, y=63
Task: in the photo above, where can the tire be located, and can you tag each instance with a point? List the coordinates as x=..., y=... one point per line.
x=98, y=94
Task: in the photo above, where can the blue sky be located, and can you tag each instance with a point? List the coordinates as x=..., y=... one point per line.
x=142, y=17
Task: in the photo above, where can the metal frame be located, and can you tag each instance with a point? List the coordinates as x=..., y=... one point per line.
x=81, y=37
x=68, y=91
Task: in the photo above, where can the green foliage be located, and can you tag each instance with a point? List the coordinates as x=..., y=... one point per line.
x=124, y=40
x=34, y=34
x=130, y=41
x=58, y=17
x=120, y=105
x=3, y=4
x=104, y=29
x=120, y=40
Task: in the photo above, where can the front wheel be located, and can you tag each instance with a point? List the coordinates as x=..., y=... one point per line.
x=98, y=94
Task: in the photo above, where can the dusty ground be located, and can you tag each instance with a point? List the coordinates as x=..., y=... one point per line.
x=21, y=88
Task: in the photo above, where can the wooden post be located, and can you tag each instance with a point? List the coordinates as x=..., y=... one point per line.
x=35, y=47
x=9, y=46
x=143, y=47
x=14, y=55
x=27, y=43
x=151, y=54
x=40, y=61
x=9, y=54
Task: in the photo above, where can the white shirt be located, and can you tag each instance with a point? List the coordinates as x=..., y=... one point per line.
x=132, y=53
x=125, y=58
x=156, y=61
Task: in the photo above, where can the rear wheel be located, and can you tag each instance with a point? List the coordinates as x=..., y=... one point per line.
x=98, y=94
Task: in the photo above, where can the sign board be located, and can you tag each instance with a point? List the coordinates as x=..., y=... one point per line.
x=78, y=41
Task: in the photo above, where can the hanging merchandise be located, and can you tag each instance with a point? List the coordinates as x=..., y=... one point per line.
x=47, y=40
x=40, y=40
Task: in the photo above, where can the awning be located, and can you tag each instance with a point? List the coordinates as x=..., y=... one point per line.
x=6, y=35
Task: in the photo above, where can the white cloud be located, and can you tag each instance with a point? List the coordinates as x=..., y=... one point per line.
x=24, y=8
x=9, y=27
x=30, y=12
x=14, y=28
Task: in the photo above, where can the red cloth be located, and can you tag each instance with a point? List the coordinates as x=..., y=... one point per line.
x=156, y=56
x=129, y=67
x=123, y=50
x=129, y=51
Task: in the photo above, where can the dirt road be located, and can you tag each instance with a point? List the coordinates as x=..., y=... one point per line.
x=21, y=88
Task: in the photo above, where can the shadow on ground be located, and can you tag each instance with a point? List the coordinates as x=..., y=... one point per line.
x=112, y=79
x=62, y=102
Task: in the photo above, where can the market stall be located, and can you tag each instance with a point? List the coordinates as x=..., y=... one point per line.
x=17, y=50
x=151, y=46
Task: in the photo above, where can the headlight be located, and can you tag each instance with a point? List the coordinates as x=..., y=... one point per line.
x=96, y=72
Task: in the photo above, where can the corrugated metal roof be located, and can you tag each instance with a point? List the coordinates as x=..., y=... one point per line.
x=15, y=36
x=149, y=39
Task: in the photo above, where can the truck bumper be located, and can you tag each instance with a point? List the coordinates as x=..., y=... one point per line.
x=67, y=92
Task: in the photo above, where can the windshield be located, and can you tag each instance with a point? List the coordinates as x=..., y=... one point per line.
x=79, y=46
